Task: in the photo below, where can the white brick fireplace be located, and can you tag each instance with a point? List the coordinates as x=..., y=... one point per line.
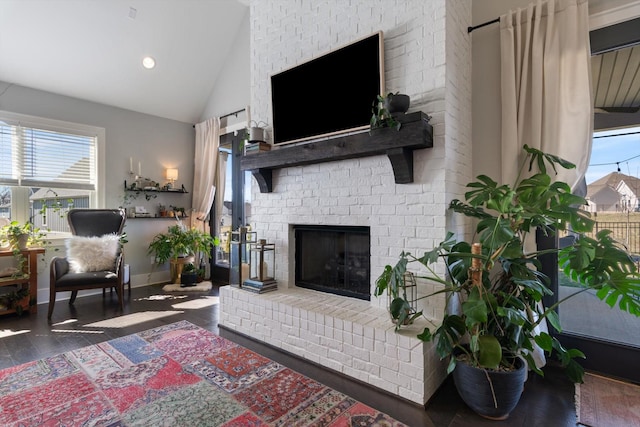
x=427, y=56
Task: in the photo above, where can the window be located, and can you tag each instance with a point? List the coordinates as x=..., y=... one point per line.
x=46, y=168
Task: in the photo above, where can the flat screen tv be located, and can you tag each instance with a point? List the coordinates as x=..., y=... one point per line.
x=330, y=94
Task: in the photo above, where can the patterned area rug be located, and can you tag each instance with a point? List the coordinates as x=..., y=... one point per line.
x=175, y=375
x=606, y=402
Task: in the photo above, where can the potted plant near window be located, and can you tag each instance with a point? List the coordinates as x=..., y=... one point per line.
x=499, y=283
x=18, y=237
x=180, y=245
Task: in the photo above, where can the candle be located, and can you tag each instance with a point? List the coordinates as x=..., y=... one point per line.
x=130, y=164
x=140, y=169
x=244, y=272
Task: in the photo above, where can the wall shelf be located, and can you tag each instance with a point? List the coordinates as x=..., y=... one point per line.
x=155, y=190
x=415, y=133
x=157, y=217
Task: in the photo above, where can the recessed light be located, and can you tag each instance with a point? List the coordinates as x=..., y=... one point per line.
x=148, y=62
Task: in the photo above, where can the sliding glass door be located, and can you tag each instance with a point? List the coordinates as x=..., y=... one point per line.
x=609, y=337
x=232, y=204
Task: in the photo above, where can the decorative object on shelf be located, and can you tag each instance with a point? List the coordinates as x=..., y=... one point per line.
x=239, y=255
x=152, y=189
x=397, y=103
x=261, y=268
x=172, y=175
x=255, y=132
x=499, y=282
x=399, y=292
x=177, y=212
x=385, y=110
x=181, y=245
x=256, y=147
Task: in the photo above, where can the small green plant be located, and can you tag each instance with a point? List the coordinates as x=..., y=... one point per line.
x=13, y=299
x=56, y=206
x=381, y=117
x=19, y=237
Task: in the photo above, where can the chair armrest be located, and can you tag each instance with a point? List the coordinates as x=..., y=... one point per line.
x=120, y=265
x=59, y=267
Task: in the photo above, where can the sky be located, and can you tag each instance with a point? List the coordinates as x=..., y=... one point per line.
x=610, y=152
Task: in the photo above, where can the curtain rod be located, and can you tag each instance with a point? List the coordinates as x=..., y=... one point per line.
x=469, y=29
x=235, y=113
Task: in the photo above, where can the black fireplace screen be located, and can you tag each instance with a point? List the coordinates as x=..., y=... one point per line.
x=333, y=259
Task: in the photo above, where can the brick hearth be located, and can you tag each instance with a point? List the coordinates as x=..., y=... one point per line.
x=344, y=334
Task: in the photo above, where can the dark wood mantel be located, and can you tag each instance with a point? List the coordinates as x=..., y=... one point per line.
x=415, y=133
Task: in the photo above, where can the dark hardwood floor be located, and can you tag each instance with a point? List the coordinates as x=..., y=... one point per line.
x=547, y=401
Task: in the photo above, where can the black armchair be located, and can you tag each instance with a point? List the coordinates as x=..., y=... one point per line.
x=94, y=259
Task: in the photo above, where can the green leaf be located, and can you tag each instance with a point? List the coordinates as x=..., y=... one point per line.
x=531, y=364
x=490, y=353
x=398, y=307
x=474, y=309
x=552, y=317
x=426, y=335
x=574, y=371
x=545, y=341
x=452, y=364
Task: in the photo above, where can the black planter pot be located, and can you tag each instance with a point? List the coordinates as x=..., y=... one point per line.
x=188, y=279
x=397, y=104
x=476, y=389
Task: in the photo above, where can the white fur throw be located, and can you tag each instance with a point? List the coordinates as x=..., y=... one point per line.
x=92, y=253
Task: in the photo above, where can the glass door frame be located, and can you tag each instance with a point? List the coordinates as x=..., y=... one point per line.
x=220, y=273
x=611, y=358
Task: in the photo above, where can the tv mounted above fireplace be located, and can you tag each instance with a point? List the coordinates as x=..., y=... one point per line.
x=330, y=94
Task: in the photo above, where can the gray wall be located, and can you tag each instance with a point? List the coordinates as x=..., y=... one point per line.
x=156, y=142
x=232, y=88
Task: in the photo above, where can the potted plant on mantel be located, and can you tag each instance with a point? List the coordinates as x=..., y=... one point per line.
x=180, y=245
x=500, y=286
x=386, y=109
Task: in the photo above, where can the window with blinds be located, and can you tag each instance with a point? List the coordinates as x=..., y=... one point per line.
x=42, y=157
x=48, y=167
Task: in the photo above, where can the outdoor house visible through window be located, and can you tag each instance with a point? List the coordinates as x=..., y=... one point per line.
x=44, y=164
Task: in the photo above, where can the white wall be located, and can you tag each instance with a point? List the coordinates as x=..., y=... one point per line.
x=231, y=91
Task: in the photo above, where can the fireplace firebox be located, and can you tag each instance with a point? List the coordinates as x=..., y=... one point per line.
x=333, y=259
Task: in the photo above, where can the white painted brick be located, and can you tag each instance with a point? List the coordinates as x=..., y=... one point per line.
x=427, y=54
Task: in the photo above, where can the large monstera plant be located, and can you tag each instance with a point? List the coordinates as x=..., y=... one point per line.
x=500, y=285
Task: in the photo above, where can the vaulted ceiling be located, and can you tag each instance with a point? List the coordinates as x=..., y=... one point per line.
x=93, y=50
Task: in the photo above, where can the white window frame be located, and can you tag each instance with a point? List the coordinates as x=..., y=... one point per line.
x=20, y=196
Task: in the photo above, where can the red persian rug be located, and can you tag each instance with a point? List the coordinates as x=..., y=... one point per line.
x=175, y=375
